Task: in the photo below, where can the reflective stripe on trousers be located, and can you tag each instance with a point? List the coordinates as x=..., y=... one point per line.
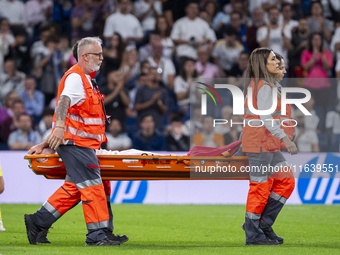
x=89, y=183
x=52, y=210
x=97, y=225
x=277, y=197
x=253, y=216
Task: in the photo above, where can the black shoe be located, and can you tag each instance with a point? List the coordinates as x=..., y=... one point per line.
x=269, y=232
x=32, y=229
x=42, y=237
x=104, y=242
x=113, y=237
x=264, y=242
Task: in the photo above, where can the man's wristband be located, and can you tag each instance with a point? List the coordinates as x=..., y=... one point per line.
x=59, y=127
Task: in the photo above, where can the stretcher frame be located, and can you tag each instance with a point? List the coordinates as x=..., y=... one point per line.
x=135, y=167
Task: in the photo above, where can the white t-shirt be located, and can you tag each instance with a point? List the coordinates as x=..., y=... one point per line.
x=306, y=140
x=275, y=40
x=333, y=121
x=167, y=67
x=114, y=143
x=74, y=88
x=185, y=29
x=312, y=121
x=149, y=22
x=126, y=25
x=168, y=47
x=227, y=56
x=13, y=11
x=181, y=86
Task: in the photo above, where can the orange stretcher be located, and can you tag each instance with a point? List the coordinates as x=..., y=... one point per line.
x=132, y=167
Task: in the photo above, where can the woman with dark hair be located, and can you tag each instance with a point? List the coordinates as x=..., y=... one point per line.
x=113, y=54
x=182, y=83
x=317, y=61
x=163, y=28
x=261, y=141
x=316, y=21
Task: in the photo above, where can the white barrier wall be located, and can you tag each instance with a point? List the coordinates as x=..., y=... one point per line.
x=23, y=186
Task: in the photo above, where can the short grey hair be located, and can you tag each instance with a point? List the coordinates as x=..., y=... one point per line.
x=87, y=41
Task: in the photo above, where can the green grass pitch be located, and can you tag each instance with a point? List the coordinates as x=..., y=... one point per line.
x=179, y=229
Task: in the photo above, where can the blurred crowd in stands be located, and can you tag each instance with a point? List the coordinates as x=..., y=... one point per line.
x=153, y=49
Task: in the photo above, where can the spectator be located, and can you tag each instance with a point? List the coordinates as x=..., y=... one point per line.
x=299, y=43
x=164, y=66
x=20, y=52
x=14, y=11
x=11, y=80
x=333, y=128
x=124, y=23
x=210, y=8
x=317, y=23
x=176, y=140
x=113, y=55
x=48, y=66
x=227, y=53
x=11, y=124
x=194, y=124
x=33, y=99
x=208, y=137
x=148, y=138
x=6, y=39
x=45, y=125
x=317, y=61
x=131, y=67
x=40, y=47
x=116, y=140
x=335, y=48
x=65, y=52
x=147, y=11
x=141, y=81
x=258, y=21
x=23, y=138
x=182, y=84
x=241, y=28
x=273, y=37
x=5, y=110
x=221, y=19
x=163, y=28
x=288, y=23
x=311, y=121
x=152, y=99
x=239, y=68
x=116, y=99
x=37, y=12
x=83, y=18
x=146, y=51
x=226, y=114
x=306, y=140
x=190, y=32
x=234, y=134
x=174, y=10
x=204, y=68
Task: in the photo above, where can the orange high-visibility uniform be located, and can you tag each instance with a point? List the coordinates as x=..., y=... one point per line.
x=253, y=140
x=85, y=127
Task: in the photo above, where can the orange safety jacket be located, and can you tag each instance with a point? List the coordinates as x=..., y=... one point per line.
x=254, y=138
x=84, y=123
